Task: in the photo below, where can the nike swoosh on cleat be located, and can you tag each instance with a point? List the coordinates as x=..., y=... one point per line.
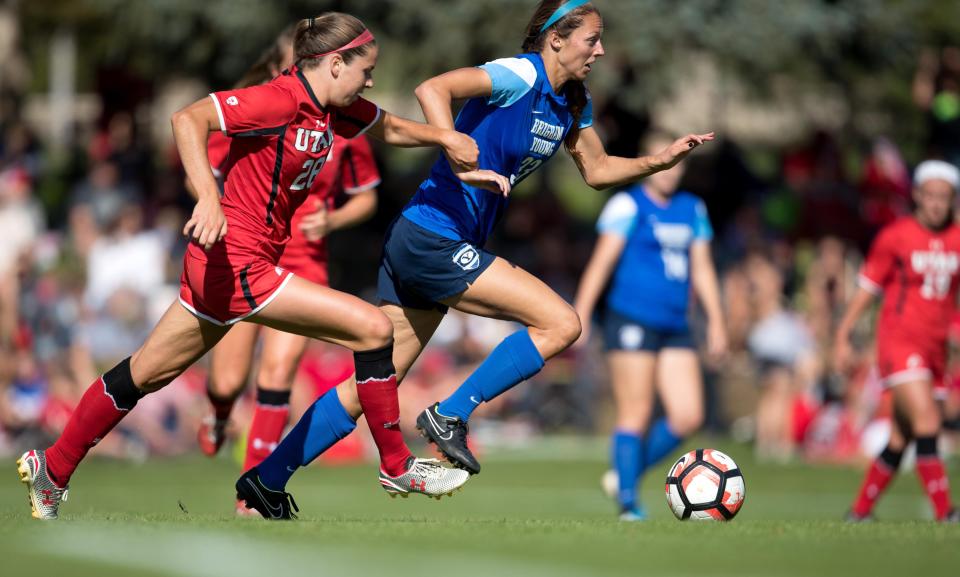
x=474, y=400
x=436, y=427
x=291, y=469
x=270, y=508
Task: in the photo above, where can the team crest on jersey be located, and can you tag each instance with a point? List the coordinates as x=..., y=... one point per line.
x=278, y=270
x=467, y=258
x=232, y=100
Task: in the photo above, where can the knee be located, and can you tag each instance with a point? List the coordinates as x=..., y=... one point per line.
x=927, y=423
x=567, y=327
x=227, y=381
x=378, y=331
x=276, y=373
x=686, y=423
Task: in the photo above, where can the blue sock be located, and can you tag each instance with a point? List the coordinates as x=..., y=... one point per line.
x=661, y=441
x=324, y=423
x=627, y=459
x=514, y=360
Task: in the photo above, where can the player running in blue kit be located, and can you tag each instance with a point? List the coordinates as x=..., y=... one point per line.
x=520, y=111
x=654, y=243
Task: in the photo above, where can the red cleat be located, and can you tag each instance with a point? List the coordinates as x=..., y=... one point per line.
x=211, y=435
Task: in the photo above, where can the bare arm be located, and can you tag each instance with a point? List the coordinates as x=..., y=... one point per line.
x=602, y=171
x=359, y=208
x=436, y=95
x=191, y=125
x=321, y=223
x=707, y=288
x=605, y=256
x=398, y=131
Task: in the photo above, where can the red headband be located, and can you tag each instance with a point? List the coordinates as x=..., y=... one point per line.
x=364, y=38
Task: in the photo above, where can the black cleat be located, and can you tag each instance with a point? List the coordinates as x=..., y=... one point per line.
x=450, y=436
x=273, y=505
x=952, y=517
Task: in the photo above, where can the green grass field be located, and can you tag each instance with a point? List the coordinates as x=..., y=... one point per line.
x=522, y=516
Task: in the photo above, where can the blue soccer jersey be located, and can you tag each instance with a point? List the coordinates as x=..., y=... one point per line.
x=651, y=284
x=519, y=127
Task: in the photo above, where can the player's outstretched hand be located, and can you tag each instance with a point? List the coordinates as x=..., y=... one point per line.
x=681, y=147
x=208, y=225
x=462, y=151
x=486, y=179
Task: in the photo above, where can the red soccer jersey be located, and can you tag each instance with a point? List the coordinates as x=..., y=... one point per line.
x=281, y=138
x=218, y=148
x=916, y=270
x=350, y=169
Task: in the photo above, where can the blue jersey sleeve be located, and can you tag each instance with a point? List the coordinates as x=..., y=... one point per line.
x=701, y=224
x=586, y=118
x=512, y=78
x=619, y=216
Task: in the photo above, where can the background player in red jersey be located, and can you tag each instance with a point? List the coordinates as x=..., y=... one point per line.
x=914, y=264
x=283, y=133
x=350, y=170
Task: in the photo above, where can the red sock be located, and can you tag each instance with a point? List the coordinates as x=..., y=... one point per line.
x=269, y=419
x=377, y=391
x=106, y=402
x=878, y=477
x=933, y=477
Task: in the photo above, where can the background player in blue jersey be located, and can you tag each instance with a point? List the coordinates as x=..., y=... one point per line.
x=654, y=244
x=520, y=111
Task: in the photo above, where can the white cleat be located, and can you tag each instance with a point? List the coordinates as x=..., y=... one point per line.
x=45, y=496
x=425, y=476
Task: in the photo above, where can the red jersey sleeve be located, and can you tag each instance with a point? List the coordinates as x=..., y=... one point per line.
x=358, y=170
x=249, y=111
x=355, y=119
x=879, y=266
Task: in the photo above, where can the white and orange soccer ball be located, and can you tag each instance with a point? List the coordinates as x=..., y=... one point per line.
x=705, y=485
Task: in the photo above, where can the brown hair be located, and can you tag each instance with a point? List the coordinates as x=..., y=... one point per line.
x=271, y=60
x=535, y=39
x=326, y=33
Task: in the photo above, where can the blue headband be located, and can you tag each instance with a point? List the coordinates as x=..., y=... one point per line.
x=562, y=11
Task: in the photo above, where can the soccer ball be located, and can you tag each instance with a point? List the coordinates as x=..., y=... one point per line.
x=705, y=485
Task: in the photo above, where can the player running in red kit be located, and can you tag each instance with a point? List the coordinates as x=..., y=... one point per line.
x=350, y=171
x=914, y=266
x=283, y=134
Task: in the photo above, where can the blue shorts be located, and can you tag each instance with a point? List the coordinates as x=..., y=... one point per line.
x=623, y=334
x=420, y=268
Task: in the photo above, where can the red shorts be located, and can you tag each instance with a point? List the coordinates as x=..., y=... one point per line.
x=901, y=361
x=224, y=293
x=306, y=261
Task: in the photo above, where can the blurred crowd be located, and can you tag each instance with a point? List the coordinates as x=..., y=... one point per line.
x=92, y=245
